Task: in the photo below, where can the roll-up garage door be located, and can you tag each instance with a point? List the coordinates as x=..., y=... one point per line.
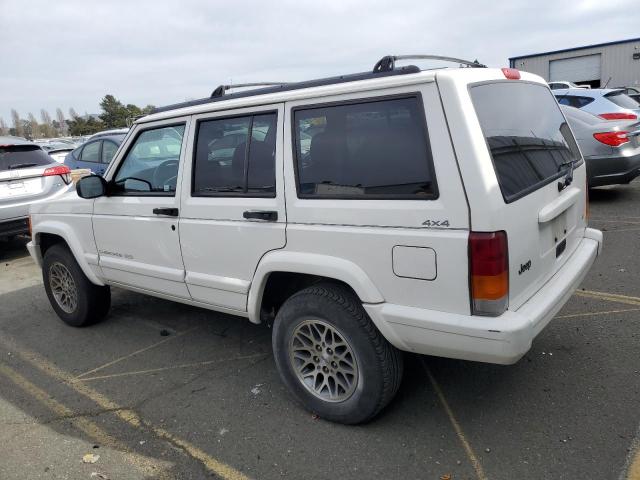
x=576, y=69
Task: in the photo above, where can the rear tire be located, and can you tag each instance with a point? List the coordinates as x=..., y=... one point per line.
x=331, y=356
x=76, y=300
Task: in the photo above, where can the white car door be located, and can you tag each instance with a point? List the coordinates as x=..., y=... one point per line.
x=232, y=210
x=136, y=224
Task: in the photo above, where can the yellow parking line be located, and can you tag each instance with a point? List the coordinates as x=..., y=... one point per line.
x=634, y=469
x=172, y=367
x=611, y=297
x=590, y=314
x=83, y=424
x=129, y=416
x=117, y=360
x=475, y=462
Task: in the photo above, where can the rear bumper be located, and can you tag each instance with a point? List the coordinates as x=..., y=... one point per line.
x=503, y=339
x=612, y=170
x=14, y=226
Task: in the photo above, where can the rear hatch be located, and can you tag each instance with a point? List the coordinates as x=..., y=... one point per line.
x=21, y=172
x=541, y=180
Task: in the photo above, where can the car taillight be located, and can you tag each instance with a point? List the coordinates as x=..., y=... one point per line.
x=511, y=73
x=613, y=139
x=62, y=170
x=489, y=273
x=618, y=116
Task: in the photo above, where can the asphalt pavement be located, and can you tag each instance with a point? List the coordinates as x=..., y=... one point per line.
x=162, y=390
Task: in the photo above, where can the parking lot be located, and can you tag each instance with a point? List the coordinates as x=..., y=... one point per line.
x=161, y=390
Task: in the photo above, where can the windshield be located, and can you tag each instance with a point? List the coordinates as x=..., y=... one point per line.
x=526, y=133
x=13, y=157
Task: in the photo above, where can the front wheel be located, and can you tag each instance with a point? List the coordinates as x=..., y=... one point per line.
x=332, y=357
x=76, y=300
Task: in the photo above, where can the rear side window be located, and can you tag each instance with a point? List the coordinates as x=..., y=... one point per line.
x=573, y=101
x=228, y=164
x=622, y=100
x=368, y=150
x=109, y=149
x=13, y=157
x=528, y=138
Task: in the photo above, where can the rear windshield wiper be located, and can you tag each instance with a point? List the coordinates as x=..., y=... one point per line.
x=22, y=165
x=562, y=184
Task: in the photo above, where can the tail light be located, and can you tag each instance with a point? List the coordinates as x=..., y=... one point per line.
x=511, y=73
x=489, y=273
x=62, y=170
x=613, y=139
x=618, y=116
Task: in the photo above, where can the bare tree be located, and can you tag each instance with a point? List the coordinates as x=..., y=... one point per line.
x=4, y=130
x=62, y=123
x=47, y=125
x=73, y=114
x=35, y=130
x=17, y=123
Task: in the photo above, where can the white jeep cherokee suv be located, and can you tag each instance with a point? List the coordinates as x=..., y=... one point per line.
x=441, y=212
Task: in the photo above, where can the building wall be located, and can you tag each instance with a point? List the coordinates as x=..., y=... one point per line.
x=617, y=63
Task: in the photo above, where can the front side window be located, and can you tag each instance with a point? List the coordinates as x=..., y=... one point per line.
x=528, y=138
x=375, y=149
x=91, y=152
x=227, y=163
x=151, y=164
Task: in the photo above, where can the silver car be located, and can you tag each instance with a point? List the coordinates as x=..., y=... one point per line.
x=607, y=103
x=27, y=175
x=611, y=148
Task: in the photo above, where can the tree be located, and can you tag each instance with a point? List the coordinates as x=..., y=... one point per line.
x=17, y=123
x=114, y=114
x=3, y=127
x=46, y=128
x=33, y=123
x=73, y=114
x=84, y=126
x=62, y=124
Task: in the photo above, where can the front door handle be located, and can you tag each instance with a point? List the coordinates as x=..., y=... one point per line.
x=171, y=212
x=267, y=215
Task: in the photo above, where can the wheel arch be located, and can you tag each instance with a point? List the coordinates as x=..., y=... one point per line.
x=292, y=271
x=50, y=233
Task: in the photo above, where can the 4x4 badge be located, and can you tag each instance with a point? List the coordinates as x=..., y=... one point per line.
x=436, y=223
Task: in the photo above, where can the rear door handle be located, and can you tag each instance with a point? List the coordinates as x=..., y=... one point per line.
x=267, y=215
x=171, y=212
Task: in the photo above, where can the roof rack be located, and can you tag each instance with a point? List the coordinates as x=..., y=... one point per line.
x=219, y=91
x=388, y=63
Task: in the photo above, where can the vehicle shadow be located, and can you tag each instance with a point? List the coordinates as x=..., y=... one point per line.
x=14, y=248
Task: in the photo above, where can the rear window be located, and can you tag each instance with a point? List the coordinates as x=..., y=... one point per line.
x=528, y=138
x=13, y=157
x=622, y=100
x=367, y=150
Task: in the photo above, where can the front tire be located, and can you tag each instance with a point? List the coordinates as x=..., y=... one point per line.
x=331, y=356
x=76, y=300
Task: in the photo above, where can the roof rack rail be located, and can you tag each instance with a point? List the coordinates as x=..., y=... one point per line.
x=387, y=64
x=219, y=91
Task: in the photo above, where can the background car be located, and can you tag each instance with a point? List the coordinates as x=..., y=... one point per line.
x=27, y=175
x=106, y=133
x=57, y=150
x=95, y=154
x=607, y=103
x=611, y=148
x=564, y=85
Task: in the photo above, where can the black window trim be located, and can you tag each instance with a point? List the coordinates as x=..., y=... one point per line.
x=434, y=195
x=540, y=184
x=99, y=152
x=112, y=193
x=250, y=114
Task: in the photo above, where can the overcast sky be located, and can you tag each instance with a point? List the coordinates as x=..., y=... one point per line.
x=70, y=53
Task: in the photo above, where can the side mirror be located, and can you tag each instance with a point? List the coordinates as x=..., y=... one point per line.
x=92, y=186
